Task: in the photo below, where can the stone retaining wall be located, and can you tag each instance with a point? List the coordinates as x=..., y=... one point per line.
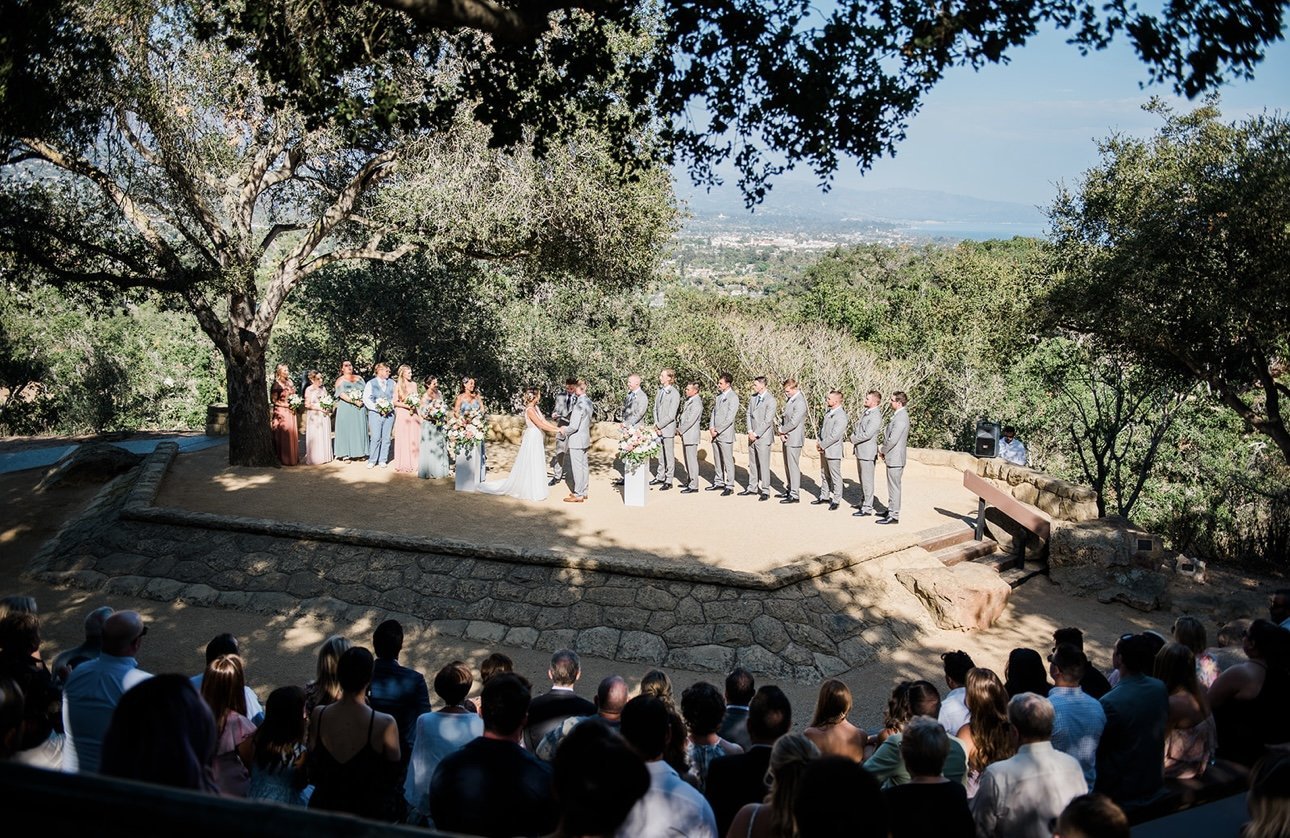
x=812, y=626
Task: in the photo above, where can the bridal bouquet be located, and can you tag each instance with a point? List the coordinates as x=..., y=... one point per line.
x=435, y=413
x=636, y=446
x=384, y=407
x=295, y=403
x=467, y=431
x=327, y=403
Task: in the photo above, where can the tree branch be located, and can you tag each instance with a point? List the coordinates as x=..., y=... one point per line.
x=370, y=252
x=277, y=230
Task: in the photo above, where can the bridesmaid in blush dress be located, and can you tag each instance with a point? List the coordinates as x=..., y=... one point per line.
x=433, y=460
x=317, y=423
x=407, y=424
x=351, y=418
x=286, y=438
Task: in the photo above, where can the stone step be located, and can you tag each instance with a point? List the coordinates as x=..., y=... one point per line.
x=967, y=551
x=1018, y=575
x=1001, y=562
x=947, y=536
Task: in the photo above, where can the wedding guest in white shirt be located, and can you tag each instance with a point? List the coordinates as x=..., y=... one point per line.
x=954, y=711
x=671, y=806
x=1011, y=448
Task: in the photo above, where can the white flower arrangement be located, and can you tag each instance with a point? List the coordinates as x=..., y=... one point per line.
x=327, y=403
x=467, y=431
x=384, y=407
x=636, y=446
x=295, y=402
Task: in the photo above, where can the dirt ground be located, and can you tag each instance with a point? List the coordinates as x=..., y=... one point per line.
x=280, y=651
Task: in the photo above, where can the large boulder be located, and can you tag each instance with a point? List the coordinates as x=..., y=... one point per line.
x=964, y=597
x=96, y=462
x=1108, y=558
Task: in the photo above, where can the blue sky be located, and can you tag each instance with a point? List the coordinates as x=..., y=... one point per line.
x=1011, y=132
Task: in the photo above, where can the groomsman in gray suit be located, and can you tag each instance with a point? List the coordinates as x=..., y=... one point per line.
x=832, y=431
x=792, y=433
x=666, y=404
x=634, y=405
x=894, y=439
x=563, y=408
x=865, y=440
x=761, y=433
x=721, y=426
x=578, y=434
x=688, y=427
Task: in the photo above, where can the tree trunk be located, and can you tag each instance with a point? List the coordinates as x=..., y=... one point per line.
x=250, y=440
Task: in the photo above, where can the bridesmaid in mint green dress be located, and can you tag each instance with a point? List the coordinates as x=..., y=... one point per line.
x=433, y=462
x=351, y=419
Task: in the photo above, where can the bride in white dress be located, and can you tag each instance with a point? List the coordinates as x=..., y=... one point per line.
x=527, y=480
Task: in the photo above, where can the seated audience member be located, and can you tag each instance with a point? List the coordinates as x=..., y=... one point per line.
x=1230, y=651
x=94, y=688
x=1078, y=718
x=1278, y=608
x=988, y=737
x=597, y=779
x=1131, y=753
x=835, y=796
x=1021, y=796
x=1025, y=673
x=671, y=806
x=492, y=786
x=11, y=718
x=739, y=779
x=226, y=644
x=774, y=817
x=325, y=688
x=549, y=710
x=161, y=732
x=954, y=712
x=657, y=683
x=1094, y=682
x=89, y=648
x=1092, y=816
x=493, y=665
x=897, y=714
x=702, y=707
x=739, y=691
x=41, y=743
x=275, y=753
x=396, y=690
x=611, y=696
x=887, y=764
x=830, y=730
x=928, y=804
x=353, y=749
x=438, y=734
x=1250, y=699
x=1190, y=740
x=223, y=689
x=1269, y=798
x=17, y=604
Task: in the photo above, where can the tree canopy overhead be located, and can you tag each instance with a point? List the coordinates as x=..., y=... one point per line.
x=759, y=84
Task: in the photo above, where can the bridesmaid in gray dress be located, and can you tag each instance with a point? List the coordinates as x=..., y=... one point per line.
x=433, y=462
x=351, y=418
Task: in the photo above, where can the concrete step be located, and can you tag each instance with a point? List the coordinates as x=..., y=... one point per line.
x=1017, y=575
x=967, y=551
x=947, y=536
x=1001, y=562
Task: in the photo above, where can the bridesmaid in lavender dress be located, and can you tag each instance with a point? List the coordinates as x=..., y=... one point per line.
x=286, y=437
x=407, y=423
x=317, y=423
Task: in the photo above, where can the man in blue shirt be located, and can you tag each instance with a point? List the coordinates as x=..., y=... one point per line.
x=395, y=689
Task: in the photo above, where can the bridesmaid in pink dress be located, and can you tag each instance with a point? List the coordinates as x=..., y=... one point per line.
x=317, y=423
x=407, y=423
x=286, y=438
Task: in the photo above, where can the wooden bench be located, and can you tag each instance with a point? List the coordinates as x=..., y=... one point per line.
x=1033, y=520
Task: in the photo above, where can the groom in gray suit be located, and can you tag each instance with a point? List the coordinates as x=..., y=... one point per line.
x=761, y=433
x=792, y=433
x=578, y=434
x=894, y=439
x=832, y=431
x=688, y=427
x=721, y=425
x=563, y=408
x=666, y=404
x=865, y=442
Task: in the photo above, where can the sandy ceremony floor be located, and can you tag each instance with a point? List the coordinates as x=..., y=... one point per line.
x=738, y=533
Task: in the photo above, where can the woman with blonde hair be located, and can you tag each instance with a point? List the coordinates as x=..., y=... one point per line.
x=286, y=436
x=407, y=422
x=224, y=690
x=1269, y=798
x=325, y=688
x=774, y=818
x=1190, y=737
x=829, y=729
x=988, y=737
x=317, y=423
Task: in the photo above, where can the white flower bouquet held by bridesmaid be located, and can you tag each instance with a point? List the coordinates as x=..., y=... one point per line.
x=296, y=403
x=467, y=430
x=327, y=403
x=435, y=412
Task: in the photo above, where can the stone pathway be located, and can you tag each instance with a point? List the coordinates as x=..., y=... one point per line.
x=43, y=457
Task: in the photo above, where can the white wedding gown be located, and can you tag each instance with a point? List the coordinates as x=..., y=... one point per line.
x=527, y=480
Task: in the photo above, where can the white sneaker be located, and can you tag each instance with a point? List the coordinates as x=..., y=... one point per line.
x=371, y=464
